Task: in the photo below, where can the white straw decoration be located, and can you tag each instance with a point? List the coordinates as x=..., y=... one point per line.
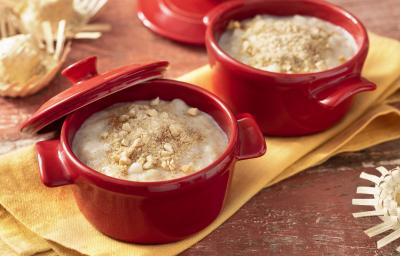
x=87, y=35
x=96, y=6
x=385, y=191
x=380, y=228
x=89, y=7
x=367, y=190
x=382, y=170
x=367, y=202
x=48, y=36
x=368, y=213
x=60, y=39
x=388, y=239
x=370, y=177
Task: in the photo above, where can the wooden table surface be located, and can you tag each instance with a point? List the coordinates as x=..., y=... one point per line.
x=308, y=214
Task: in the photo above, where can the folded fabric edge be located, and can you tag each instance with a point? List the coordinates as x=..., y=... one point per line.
x=45, y=247
x=390, y=92
x=64, y=251
x=53, y=248
x=6, y=250
x=358, y=142
x=394, y=98
x=319, y=158
x=47, y=253
x=23, y=240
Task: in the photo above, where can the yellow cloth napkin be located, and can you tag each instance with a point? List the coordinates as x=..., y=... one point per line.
x=32, y=212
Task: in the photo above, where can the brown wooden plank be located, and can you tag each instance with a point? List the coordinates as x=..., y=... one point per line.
x=308, y=214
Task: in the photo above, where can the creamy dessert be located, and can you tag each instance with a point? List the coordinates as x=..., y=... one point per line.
x=149, y=140
x=288, y=44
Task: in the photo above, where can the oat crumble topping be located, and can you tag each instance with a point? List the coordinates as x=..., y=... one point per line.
x=149, y=137
x=149, y=140
x=292, y=44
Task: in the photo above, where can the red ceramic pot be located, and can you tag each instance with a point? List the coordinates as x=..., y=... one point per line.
x=287, y=104
x=146, y=212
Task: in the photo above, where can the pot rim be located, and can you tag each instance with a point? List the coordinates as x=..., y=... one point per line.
x=98, y=176
x=234, y=5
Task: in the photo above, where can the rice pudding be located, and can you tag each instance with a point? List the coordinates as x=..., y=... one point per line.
x=288, y=44
x=149, y=140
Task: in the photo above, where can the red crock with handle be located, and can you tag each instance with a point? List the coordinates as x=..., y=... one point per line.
x=286, y=104
x=140, y=212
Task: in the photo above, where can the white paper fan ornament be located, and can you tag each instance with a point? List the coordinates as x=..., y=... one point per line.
x=27, y=64
x=385, y=193
x=76, y=13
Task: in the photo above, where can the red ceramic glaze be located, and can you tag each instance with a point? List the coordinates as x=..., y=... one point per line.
x=287, y=104
x=179, y=20
x=150, y=212
x=92, y=87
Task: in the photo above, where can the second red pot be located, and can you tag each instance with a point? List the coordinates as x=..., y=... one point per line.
x=287, y=104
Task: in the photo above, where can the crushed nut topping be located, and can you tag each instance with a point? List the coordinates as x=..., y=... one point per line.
x=291, y=44
x=152, y=140
x=155, y=102
x=193, y=111
x=149, y=140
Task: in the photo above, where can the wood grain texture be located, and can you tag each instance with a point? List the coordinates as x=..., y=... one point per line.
x=308, y=214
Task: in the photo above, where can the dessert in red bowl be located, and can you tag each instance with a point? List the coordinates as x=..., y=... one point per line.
x=287, y=104
x=135, y=211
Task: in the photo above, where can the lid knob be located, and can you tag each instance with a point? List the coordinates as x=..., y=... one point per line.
x=81, y=70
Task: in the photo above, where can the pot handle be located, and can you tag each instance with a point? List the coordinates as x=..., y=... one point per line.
x=81, y=70
x=332, y=95
x=52, y=170
x=251, y=140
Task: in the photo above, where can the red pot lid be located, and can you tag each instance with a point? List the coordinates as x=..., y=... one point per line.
x=180, y=20
x=88, y=86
